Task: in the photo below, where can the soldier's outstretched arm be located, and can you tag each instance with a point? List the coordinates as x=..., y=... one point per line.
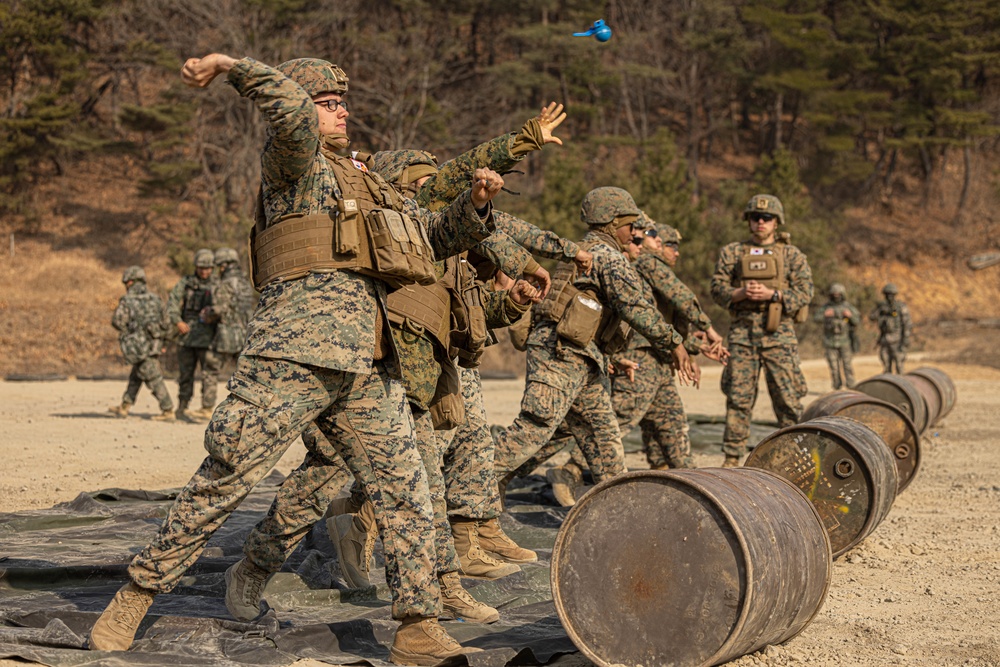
x=499, y=154
x=467, y=221
x=538, y=241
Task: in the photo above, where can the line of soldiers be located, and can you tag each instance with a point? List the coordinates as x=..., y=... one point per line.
x=206, y=313
x=382, y=278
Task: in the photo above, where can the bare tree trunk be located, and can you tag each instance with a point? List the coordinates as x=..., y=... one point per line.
x=966, y=181
x=779, y=102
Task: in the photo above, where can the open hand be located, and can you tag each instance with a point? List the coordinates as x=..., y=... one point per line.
x=549, y=119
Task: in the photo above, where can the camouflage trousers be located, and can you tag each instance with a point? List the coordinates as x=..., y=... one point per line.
x=562, y=385
x=432, y=453
x=651, y=402
x=469, y=457
x=892, y=357
x=187, y=359
x=840, y=359
x=785, y=384
x=365, y=419
x=147, y=371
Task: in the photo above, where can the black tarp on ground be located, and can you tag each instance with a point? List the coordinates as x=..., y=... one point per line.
x=60, y=566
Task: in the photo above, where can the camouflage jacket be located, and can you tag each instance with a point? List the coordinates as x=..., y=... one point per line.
x=234, y=301
x=538, y=241
x=324, y=319
x=839, y=319
x=187, y=302
x=893, y=321
x=671, y=295
x=617, y=286
x=140, y=319
x=747, y=318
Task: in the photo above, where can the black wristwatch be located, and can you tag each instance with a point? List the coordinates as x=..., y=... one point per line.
x=776, y=297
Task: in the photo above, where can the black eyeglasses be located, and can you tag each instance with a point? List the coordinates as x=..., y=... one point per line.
x=760, y=217
x=333, y=105
x=651, y=233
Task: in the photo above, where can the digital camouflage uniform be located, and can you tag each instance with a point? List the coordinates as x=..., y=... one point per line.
x=840, y=321
x=312, y=354
x=189, y=301
x=140, y=319
x=892, y=318
x=753, y=349
x=567, y=382
x=652, y=401
x=233, y=304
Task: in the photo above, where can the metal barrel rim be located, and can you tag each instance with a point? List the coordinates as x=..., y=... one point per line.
x=903, y=386
x=945, y=386
x=907, y=462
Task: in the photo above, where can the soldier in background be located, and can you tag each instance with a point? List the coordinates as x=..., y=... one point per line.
x=765, y=283
x=232, y=304
x=840, y=336
x=140, y=319
x=189, y=308
x=894, y=328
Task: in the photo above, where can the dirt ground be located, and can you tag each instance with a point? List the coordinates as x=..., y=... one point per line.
x=923, y=589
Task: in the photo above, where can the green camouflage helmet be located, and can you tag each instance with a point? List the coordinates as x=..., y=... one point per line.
x=765, y=204
x=668, y=234
x=204, y=259
x=315, y=76
x=225, y=256
x=404, y=167
x=644, y=221
x=134, y=273
x=890, y=289
x=837, y=288
x=602, y=205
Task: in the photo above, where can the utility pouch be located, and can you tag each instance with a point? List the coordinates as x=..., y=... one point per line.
x=400, y=250
x=469, y=333
x=762, y=268
x=448, y=406
x=773, y=317
x=615, y=336
x=519, y=332
x=801, y=315
x=346, y=240
x=581, y=319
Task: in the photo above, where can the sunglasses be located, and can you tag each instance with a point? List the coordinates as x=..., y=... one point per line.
x=760, y=217
x=333, y=105
x=637, y=240
x=651, y=233
x=675, y=246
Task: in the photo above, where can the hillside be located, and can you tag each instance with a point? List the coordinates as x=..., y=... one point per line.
x=60, y=285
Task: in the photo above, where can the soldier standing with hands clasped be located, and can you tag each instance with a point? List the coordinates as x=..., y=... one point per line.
x=765, y=283
x=840, y=336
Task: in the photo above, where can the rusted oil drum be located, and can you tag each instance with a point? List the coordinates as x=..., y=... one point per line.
x=930, y=394
x=688, y=567
x=892, y=424
x=944, y=386
x=842, y=466
x=899, y=391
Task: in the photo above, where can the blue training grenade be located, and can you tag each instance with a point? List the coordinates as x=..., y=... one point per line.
x=600, y=31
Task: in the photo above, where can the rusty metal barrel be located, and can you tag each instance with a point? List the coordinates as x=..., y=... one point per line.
x=941, y=385
x=842, y=466
x=899, y=391
x=688, y=567
x=892, y=424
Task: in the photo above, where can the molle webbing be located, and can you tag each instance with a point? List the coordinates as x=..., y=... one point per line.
x=562, y=291
x=426, y=306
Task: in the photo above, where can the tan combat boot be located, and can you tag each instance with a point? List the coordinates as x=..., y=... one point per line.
x=422, y=641
x=459, y=604
x=731, y=461
x=165, y=416
x=201, y=414
x=353, y=536
x=181, y=412
x=245, y=584
x=566, y=481
x=498, y=544
x=475, y=562
x=342, y=505
x=120, y=411
x=115, y=629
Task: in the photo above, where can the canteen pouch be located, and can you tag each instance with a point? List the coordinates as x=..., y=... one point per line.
x=773, y=317
x=448, y=406
x=581, y=319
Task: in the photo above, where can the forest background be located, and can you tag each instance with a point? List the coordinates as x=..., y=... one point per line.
x=875, y=121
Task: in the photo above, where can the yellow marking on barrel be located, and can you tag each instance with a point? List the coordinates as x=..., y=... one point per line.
x=815, y=482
